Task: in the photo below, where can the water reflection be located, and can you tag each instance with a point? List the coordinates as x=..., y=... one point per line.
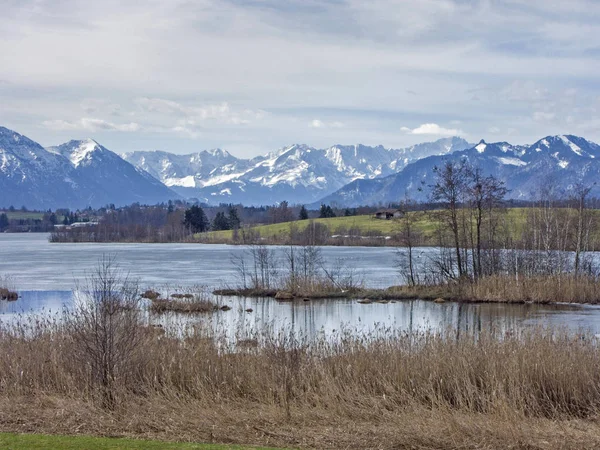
x=328, y=317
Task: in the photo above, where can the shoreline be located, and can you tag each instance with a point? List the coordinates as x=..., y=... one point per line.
x=546, y=290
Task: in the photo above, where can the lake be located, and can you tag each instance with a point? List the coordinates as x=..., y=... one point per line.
x=45, y=274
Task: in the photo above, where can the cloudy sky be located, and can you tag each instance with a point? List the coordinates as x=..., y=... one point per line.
x=252, y=76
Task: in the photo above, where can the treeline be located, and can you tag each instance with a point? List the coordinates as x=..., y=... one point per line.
x=172, y=222
x=25, y=221
x=176, y=221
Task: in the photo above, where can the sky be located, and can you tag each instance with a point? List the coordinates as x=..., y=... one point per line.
x=252, y=76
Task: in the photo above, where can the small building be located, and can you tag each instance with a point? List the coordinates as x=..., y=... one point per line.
x=74, y=225
x=387, y=214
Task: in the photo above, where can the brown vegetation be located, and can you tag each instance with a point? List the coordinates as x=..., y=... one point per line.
x=150, y=294
x=535, y=390
x=193, y=300
x=492, y=289
x=7, y=292
x=182, y=305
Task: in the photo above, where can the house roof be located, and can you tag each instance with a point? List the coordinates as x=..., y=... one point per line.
x=389, y=211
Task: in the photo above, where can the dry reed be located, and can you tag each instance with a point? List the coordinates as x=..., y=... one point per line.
x=386, y=391
x=537, y=289
x=7, y=291
x=194, y=299
x=492, y=289
x=182, y=305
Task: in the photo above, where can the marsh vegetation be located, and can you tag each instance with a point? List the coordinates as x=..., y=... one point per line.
x=7, y=289
x=385, y=390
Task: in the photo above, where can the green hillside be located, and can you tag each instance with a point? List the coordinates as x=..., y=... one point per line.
x=359, y=225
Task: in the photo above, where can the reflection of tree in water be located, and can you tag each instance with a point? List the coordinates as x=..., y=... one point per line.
x=314, y=318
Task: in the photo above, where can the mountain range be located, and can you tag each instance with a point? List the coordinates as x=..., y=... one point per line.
x=298, y=173
x=83, y=173
x=77, y=174
x=554, y=162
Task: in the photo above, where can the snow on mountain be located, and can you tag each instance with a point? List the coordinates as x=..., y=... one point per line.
x=78, y=152
x=75, y=175
x=188, y=171
x=296, y=173
x=84, y=173
x=557, y=161
x=31, y=176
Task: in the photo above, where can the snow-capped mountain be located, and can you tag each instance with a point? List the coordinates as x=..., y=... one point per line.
x=84, y=173
x=297, y=173
x=188, y=171
x=75, y=175
x=32, y=176
x=555, y=161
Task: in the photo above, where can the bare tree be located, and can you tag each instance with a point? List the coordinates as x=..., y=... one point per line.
x=580, y=194
x=407, y=237
x=485, y=194
x=264, y=266
x=449, y=189
x=105, y=325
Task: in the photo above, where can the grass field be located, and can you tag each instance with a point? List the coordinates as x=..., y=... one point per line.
x=365, y=225
x=16, y=215
x=15, y=441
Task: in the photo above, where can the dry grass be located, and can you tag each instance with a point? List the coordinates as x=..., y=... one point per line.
x=494, y=289
x=543, y=289
x=194, y=300
x=534, y=390
x=150, y=294
x=7, y=291
x=182, y=305
x=6, y=294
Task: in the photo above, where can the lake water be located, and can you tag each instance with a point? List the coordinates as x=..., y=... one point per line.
x=45, y=275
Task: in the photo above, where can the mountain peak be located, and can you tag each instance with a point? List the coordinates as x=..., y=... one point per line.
x=78, y=151
x=218, y=152
x=481, y=146
x=567, y=144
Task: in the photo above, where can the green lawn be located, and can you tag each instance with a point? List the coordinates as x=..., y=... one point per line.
x=36, y=441
x=16, y=215
x=365, y=225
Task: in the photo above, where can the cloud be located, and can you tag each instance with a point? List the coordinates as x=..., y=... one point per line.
x=95, y=106
x=127, y=63
x=432, y=129
x=193, y=114
x=316, y=123
x=90, y=124
x=194, y=134
x=540, y=116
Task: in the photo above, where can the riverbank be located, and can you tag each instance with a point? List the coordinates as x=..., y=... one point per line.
x=530, y=390
x=494, y=289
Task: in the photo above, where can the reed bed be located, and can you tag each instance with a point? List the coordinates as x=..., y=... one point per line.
x=493, y=289
x=185, y=300
x=535, y=389
x=567, y=288
x=7, y=290
x=182, y=305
